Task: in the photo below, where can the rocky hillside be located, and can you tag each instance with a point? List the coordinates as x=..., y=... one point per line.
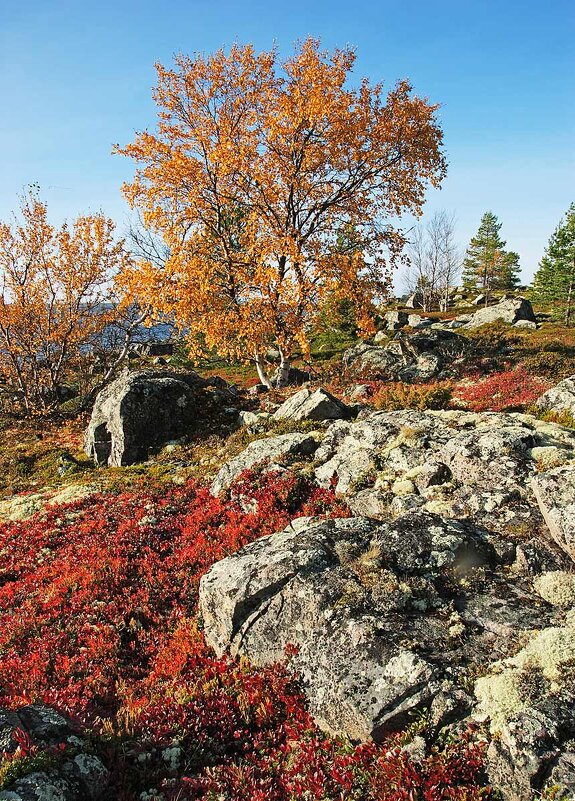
x=359, y=589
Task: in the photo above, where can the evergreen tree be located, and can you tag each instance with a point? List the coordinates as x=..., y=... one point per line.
x=554, y=281
x=487, y=264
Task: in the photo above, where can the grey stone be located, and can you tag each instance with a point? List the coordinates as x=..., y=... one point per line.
x=46, y=723
x=9, y=723
x=433, y=473
x=253, y=420
x=80, y=778
x=562, y=774
x=417, y=357
x=508, y=310
x=555, y=493
x=529, y=750
x=369, y=502
x=414, y=301
x=560, y=398
x=394, y=320
x=269, y=451
x=372, y=360
x=368, y=606
x=529, y=324
x=478, y=465
x=295, y=377
x=141, y=411
x=308, y=405
x=426, y=366
x=258, y=389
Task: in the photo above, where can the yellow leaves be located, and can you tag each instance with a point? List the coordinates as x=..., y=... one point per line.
x=253, y=171
x=55, y=284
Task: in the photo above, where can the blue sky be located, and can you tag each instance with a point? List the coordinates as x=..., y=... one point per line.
x=75, y=77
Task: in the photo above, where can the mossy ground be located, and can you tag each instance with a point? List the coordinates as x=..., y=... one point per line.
x=32, y=450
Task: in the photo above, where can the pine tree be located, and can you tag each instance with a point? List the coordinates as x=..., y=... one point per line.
x=487, y=264
x=554, y=281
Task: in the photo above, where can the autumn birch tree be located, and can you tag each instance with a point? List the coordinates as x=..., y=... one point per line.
x=254, y=169
x=55, y=291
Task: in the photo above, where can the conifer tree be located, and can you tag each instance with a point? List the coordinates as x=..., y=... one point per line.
x=487, y=264
x=554, y=281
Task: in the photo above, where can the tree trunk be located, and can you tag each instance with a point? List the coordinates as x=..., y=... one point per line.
x=262, y=372
x=569, y=309
x=283, y=370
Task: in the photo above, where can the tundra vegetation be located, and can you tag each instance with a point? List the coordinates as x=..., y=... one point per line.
x=267, y=199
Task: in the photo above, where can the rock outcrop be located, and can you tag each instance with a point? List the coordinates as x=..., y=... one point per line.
x=308, y=405
x=555, y=493
x=560, y=398
x=269, y=452
x=384, y=615
x=394, y=320
x=418, y=357
x=140, y=411
x=529, y=701
x=455, y=463
x=508, y=310
x=73, y=775
x=448, y=569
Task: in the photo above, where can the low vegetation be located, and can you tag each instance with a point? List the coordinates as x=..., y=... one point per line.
x=98, y=617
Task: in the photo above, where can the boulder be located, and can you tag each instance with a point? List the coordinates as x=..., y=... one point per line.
x=560, y=398
x=425, y=367
x=417, y=357
x=461, y=463
x=414, y=301
x=416, y=321
x=79, y=776
x=529, y=324
x=371, y=360
x=295, y=377
x=394, y=320
x=308, y=405
x=270, y=452
x=140, y=411
x=460, y=321
x=508, y=310
x=258, y=389
x=254, y=420
x=555, y=493
x=529, y=701
x=369, y=607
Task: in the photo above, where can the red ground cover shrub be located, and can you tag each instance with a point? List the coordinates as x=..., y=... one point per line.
x=511, y=390
x=98, y=617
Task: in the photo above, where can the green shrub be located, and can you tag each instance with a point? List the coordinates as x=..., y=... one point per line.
x=550, y=364
x=494, y=337
x=563, y=418
x=396, y=396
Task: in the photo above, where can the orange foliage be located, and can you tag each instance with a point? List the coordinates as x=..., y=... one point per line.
x=254, y=173
x=53, y=284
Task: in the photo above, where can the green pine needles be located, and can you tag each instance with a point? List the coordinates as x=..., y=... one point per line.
x=487, y=265
x=554, y=282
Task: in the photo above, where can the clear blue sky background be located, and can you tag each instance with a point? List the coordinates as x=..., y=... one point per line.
x=75, y=77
